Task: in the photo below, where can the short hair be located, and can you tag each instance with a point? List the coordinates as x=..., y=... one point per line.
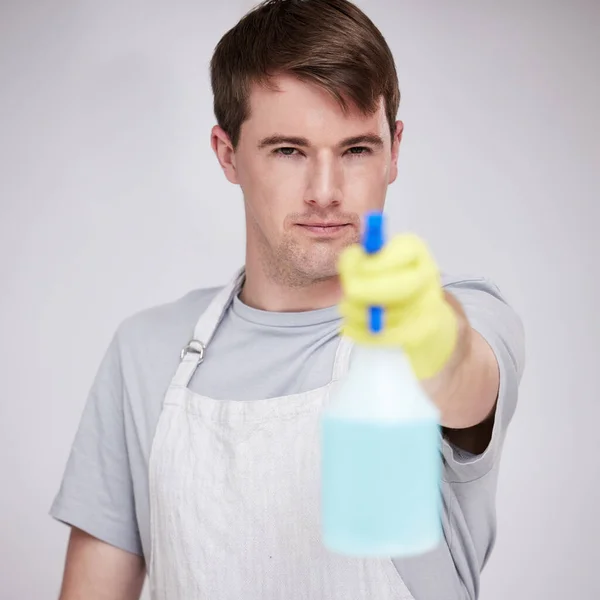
x=330, y=43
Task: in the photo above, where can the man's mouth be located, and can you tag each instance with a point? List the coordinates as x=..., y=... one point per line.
x=324, y=228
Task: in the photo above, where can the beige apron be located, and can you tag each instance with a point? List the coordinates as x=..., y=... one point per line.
x=235, y=494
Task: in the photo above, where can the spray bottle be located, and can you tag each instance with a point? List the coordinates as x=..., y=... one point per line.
x=380, y=441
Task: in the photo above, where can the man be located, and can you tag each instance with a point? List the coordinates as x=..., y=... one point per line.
x=197, y=466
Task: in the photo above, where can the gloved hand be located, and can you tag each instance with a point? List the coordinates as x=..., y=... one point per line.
x=403, y=279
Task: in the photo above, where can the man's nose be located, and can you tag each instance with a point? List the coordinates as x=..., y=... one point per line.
x=325, y=183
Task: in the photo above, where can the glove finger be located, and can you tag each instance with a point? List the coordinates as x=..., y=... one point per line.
x=395, y=315
x=398, y=287
x=419, y=322
x=358, y=315
x=402, y=251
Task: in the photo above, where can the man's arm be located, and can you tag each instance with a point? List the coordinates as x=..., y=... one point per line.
x=478, y=386
x=95, y=570
x=97, y=495
x=457, y=363
x=466, y=389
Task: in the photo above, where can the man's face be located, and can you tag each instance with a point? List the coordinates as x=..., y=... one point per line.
x=308, y=173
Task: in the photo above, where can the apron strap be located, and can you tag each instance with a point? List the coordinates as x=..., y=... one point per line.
x=342, y=358
x=193, y=354
x=211, y=318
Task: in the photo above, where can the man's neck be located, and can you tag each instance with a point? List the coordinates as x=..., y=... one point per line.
x=262, y=292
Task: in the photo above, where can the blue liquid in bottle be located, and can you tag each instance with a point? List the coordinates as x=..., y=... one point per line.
x=381, y=487
x=381, y=462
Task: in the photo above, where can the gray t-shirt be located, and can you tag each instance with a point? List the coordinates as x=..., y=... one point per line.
x=255, y=355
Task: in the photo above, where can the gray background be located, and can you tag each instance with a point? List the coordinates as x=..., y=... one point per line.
x=111, y=201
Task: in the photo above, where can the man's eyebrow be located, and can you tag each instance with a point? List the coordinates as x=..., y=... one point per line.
x=370, y=138
x=283, y=140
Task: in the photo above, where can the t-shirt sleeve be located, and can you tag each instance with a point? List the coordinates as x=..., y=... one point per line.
x=492, y=317
x=96, y=493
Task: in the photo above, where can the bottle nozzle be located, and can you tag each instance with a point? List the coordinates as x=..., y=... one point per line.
x=373, y=241
x=373, y=236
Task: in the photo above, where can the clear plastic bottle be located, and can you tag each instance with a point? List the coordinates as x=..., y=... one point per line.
x=381, y=463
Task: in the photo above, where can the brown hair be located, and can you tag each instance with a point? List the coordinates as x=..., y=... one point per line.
x=330, y=43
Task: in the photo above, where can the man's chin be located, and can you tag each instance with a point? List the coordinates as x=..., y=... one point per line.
x=312, y=262
x=314, y=272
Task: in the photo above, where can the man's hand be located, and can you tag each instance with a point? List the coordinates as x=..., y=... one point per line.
x=403, y=279
x=457, y=367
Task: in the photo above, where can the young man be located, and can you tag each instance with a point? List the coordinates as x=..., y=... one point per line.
x=198, y=467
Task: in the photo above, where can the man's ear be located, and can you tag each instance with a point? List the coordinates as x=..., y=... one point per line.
x=396, y=139
x=223, y=149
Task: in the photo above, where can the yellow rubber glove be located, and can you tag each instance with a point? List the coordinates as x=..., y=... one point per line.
x=403, y=279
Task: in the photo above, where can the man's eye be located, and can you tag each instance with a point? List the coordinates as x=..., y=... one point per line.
x=359, y=150
x=285, y=151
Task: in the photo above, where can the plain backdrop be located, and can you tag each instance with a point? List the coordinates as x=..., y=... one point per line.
x=112, y=201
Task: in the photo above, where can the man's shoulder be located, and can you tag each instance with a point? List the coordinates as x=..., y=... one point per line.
x=167, y=323
x=468, y=284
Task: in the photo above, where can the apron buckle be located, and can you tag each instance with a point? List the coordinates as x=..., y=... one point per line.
x=195, y=347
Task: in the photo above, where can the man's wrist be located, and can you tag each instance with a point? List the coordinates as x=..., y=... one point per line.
x=445, y=386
